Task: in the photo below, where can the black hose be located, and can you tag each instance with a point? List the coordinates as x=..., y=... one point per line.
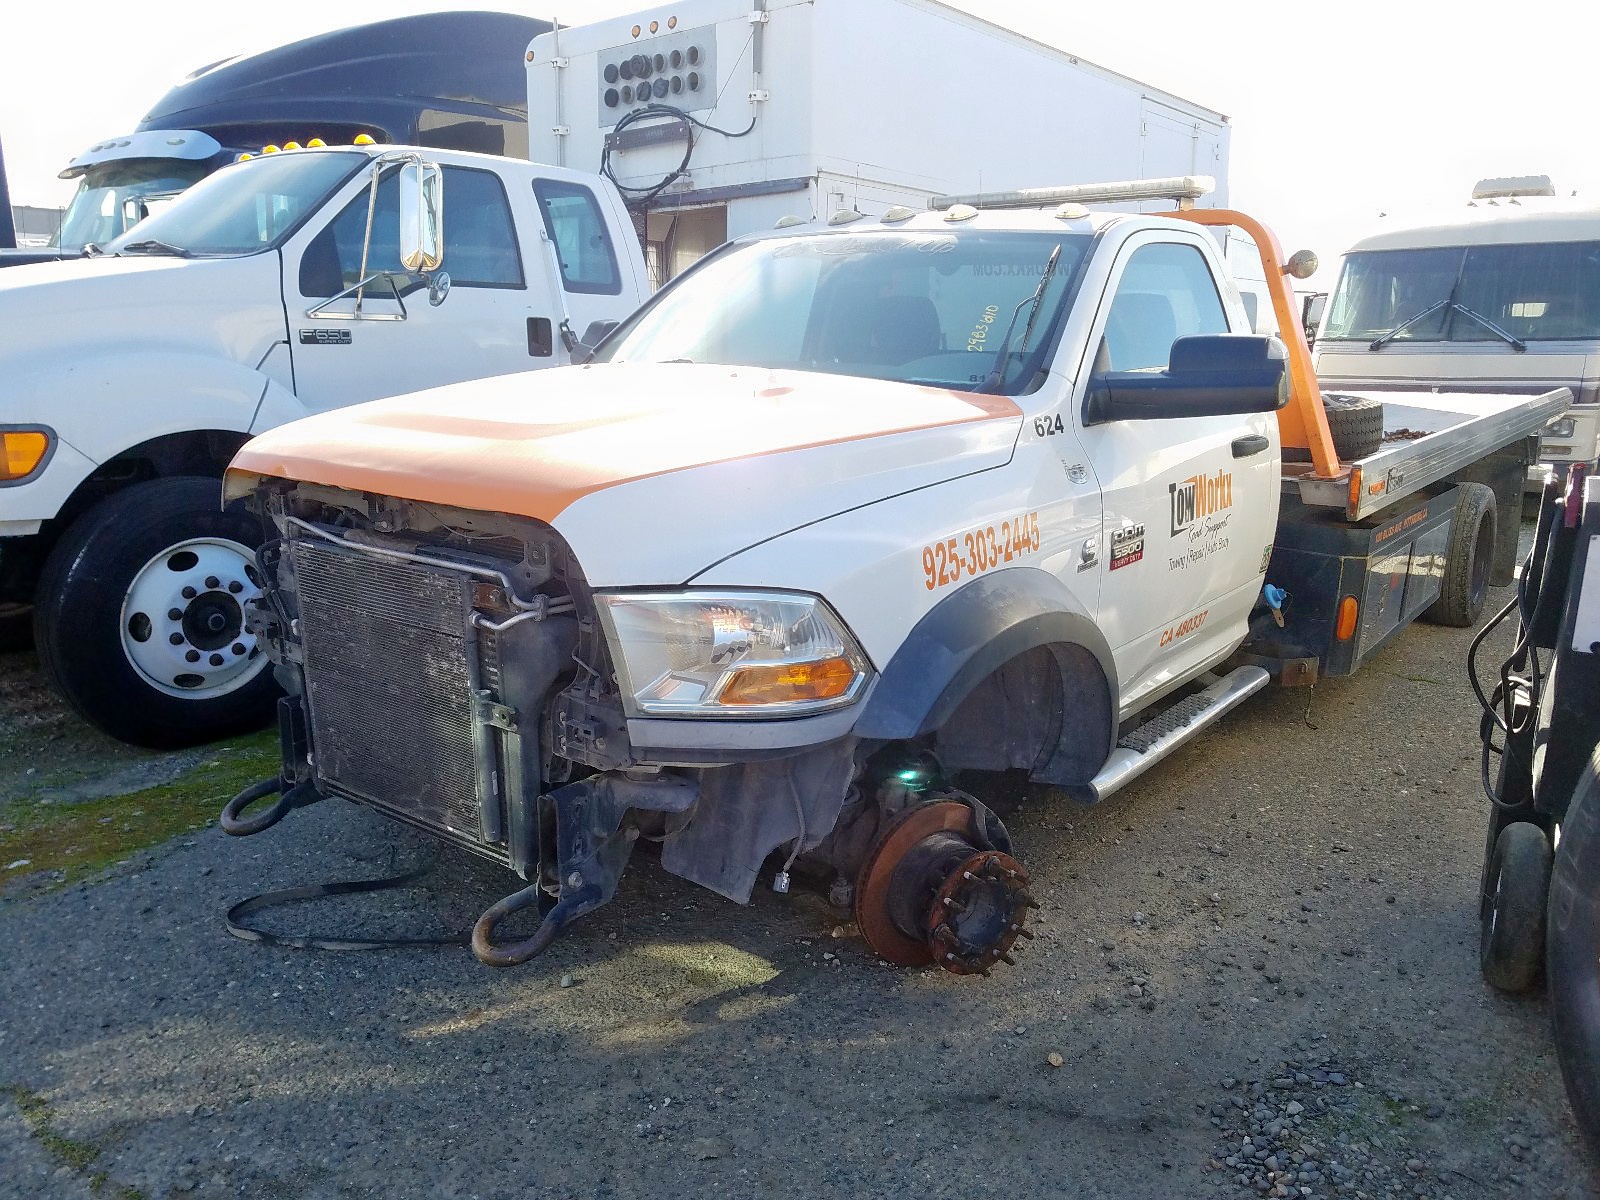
x=638, y=197
x=313, y=891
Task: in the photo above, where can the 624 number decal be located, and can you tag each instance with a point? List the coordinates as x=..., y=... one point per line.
x=955, y=558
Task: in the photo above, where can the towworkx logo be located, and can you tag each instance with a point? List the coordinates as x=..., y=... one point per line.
x=1199, y=496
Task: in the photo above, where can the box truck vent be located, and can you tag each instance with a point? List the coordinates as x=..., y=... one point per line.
x=678, y=69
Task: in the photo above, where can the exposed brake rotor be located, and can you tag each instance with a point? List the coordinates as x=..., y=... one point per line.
x=931, y=892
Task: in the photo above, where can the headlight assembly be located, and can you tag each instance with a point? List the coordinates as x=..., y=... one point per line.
x=731, y=654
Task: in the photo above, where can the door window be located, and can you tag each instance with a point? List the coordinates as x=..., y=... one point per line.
x=480, y=242
x=1166, y=292
x=583, y=245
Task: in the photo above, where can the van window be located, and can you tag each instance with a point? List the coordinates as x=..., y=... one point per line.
x=1166, y=292
x=1534, y=291
x=583, y=245
x=480, y=243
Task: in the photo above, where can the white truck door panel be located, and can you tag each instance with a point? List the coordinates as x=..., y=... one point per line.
x=1191, y=502
x=497, y=317
x=583, y=272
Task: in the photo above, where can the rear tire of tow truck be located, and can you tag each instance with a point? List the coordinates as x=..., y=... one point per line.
x=1512, y=918
x=139, y=618
x=1573, y=952
x=1468, y=559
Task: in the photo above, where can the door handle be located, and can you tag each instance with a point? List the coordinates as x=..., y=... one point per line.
x=1250, y=444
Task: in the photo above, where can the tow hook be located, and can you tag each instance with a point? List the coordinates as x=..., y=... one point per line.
x=299, y=796
x=934, y=890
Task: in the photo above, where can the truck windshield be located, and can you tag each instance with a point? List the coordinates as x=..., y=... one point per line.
x=100, y=206
x=928, y=308
x=1543, y=291
x=244, y=208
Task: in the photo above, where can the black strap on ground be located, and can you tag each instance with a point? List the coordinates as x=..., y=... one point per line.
x=314, y=891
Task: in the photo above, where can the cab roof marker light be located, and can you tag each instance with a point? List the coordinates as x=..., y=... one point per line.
x=789, y=220
x=269, y=150
x=1071, y=211
x=363, y=139
x=291, y=145
x=1182, y=188
x=315, y=143
x=897, y=214
x=244, y=157
x=960, y=212
x=844, y=217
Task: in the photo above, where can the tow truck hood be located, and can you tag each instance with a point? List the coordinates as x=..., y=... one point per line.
x=652, y=472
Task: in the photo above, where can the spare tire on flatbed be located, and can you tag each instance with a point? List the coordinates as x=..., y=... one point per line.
x=1356, y=423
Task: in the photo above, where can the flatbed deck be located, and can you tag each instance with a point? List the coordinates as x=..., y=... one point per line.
x=1457, y=430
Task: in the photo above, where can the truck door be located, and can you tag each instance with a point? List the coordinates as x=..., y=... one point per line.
x=579, y=262
x=1190, y=503
x=494, y=319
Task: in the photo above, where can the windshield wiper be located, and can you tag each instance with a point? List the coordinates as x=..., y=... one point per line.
x=1381, y=342
x=155, y=246
x=1003, y=357
x=1510, y=339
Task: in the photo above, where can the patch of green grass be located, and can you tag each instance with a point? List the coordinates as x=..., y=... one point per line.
x=36, y=1112
x=83, y=838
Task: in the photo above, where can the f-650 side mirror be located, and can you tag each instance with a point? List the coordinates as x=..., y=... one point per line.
x=421, y=216
x=1207, y=375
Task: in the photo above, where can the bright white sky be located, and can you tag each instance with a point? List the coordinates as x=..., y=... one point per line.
x=1340, y=111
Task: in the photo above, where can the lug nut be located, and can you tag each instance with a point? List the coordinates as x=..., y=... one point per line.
x=213, y=582
x=189, y=593
x=176, y=639
x=174, y=614
x=235, y=586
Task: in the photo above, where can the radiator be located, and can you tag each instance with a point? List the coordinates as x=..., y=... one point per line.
x=388, y=686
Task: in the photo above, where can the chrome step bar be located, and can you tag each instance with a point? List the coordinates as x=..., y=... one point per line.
x=1140, y=749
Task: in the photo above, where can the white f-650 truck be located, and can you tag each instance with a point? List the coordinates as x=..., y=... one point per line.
x=272, y=289
x=844, y=510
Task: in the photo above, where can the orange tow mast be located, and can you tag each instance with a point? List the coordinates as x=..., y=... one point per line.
x=1303, y=422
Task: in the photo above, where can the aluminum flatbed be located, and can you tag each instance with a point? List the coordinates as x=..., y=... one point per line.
x=1458, y=430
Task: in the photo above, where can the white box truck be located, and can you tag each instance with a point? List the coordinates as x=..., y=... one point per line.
x=716, y=118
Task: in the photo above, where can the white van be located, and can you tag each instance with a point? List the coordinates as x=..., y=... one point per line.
x=1501, y=296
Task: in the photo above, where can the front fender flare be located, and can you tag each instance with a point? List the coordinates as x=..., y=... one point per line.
x=968, y=636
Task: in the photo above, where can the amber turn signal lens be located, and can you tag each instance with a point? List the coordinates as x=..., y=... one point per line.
x=1344, y=629
x=21, y=452
x=787, y=682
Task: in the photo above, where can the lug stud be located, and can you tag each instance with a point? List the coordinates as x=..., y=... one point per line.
x=1023, y=932
x=1006, y=958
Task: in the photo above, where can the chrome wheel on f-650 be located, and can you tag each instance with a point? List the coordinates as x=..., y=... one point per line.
x=140, y=616
x=183, y=618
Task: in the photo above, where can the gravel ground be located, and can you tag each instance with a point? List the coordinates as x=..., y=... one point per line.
x=1257, y=970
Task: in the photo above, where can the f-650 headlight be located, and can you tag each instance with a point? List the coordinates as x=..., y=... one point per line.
x=731, y=654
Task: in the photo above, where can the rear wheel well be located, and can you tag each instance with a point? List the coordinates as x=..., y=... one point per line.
x=1048, y=711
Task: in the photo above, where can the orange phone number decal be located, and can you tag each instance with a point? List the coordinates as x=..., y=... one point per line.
x=954, y=559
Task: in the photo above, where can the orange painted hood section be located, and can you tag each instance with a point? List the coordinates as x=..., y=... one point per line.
x=534, y=444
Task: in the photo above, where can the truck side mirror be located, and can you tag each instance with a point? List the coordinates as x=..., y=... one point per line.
x=1207, y=375
x=421, y=217
x=592, y=337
